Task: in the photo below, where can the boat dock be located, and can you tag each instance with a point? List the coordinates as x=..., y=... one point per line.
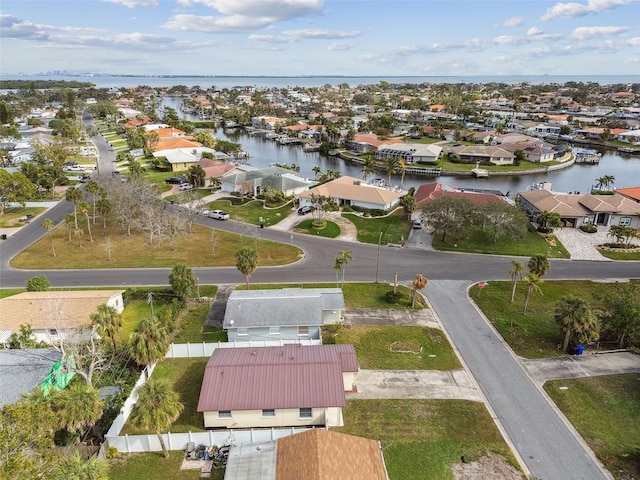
x=586, y=156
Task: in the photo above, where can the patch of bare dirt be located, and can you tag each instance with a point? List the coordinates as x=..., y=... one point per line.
x=490, y=466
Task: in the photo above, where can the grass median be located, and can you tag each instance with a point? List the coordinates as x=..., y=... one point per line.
x=204, y=247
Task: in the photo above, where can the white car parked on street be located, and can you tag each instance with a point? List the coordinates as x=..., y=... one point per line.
x=219, y=215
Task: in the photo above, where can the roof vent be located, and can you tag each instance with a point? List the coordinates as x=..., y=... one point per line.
x=292, y=357
x=254, y=353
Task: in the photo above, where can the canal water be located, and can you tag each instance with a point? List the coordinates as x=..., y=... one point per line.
x=577, y=178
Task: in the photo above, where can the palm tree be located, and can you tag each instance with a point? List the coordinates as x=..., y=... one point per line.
x=515, y=272
x=158, y=406
x=577, y=319
x=369, y=167
x=409, y=205
x=48, y=225
x=402, y=170
x=539, y=264
x=391, y=166
x=148, y=343
x=74, y=467
x=418, y=284
x=182, y=281
x=85, y=209
x=93, y=188
x=533, y=284
x=609, y=180
x=74, y=195
x=109, y=323
x=247, y=262
x=69, y=220
x=337, y=266
x=135, y=168
x=196, y=176
x=549, y=220
x=345, y=256
x=316, y=171
x=78, y=406
x=104, y=207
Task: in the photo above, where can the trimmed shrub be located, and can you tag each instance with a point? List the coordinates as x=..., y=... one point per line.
x=39, y=283
x=589, y=228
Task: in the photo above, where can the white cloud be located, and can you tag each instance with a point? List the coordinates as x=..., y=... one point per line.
x=534, y=31
x=511, y=22
x=572, y=9
x=270, y=10
x=634, y=42
x=292, y=36
x=14, y=27
x=135, y=3
x=340, y=46
x=215, y=24
x=583, y=33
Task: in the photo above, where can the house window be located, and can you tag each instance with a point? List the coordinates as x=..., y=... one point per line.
x=625, y=221
x=269, y=412
x=306, y=413
x=586, y=220
x=243, y=331
x=53, y=331
x=224, y=414
x=303, y=330
x=274, y=330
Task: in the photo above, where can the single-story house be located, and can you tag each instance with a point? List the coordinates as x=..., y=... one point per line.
x=483, y=154
x=55, y=315
x=410, y=152
x=577, y=209
x=255, y=181
x=285, y=314
x=23, y=370
x=631, y=136
x=315, y=454
x=292, y=385
x=535, y=151
x=354, y=192
x=368, y=143
x=430, y=191
x=182, y=158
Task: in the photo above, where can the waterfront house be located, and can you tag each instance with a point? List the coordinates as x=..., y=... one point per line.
x=577, y=209
x=632, y=193
x=256, y=181
x=315, y=454
x=182, y=158
x=428, y=192
x=410, y=152
x=287, y=386
x=55, y=315
x=288, y=314
x=354, y=192
x=482, y=154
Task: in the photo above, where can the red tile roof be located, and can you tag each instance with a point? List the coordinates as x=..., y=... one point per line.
x=632, y=192
x=290, y=376
x=431, y=191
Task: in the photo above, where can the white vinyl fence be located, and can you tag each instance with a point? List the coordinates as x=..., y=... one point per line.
x=194, y=350
x=178, y=441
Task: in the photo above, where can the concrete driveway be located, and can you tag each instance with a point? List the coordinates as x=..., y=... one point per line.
x=581, y=245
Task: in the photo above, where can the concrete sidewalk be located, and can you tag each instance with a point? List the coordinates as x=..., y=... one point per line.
x=428, y=384
x=577, y=366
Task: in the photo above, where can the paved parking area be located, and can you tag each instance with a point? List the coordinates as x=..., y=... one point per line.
x=581, y=245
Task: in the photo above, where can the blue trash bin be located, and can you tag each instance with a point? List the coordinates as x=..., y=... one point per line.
x=579, y=349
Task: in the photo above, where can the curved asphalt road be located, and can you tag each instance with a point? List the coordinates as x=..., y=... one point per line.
x=543, y=440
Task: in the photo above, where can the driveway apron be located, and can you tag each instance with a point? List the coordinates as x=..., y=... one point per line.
x=546, y=443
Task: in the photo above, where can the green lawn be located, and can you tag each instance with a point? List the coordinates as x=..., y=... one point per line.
x=185, y=375
x=331, y=230
x=395, y=227
x=193, y=249
x=422, y=348
x=193, y=330
x=532, y=244
x=11, y=217
x=178, y=198
x=422, y=439
x=252, y=211
x=536, y=334
x=152, y=466
x=634, y=256
x=7, y=292
x=606, y=412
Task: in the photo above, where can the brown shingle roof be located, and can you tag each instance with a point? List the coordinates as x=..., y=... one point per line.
x=350, y=188
x=290, y=376
x=325, y=455
x=42, y=310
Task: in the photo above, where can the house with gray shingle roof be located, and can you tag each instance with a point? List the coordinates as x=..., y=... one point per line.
x=23, y=370
x=256, y=181
x=288, y=314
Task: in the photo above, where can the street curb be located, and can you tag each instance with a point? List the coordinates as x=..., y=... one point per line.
x=538, y=386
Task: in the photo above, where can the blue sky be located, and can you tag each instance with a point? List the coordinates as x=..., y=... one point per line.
x=321, y=37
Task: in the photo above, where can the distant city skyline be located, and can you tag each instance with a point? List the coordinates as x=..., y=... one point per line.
x=321, y=37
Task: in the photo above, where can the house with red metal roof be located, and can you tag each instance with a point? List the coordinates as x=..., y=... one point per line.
x=288, y=386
